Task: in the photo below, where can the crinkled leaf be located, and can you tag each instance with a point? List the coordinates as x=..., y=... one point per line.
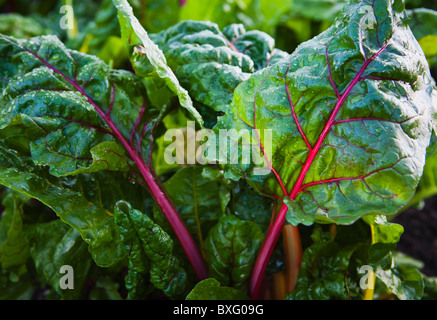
x=200, y=199
x=210, y=289
x=211, y=63
x=231, y=248
x=138, y=274
x=65, y=106
x=150, y=243
x=324, y=269
x=95, y=105
x=349, y=115
x=53, y=245
x=331, y=265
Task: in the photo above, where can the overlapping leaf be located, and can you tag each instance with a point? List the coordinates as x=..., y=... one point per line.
x=53, y=105
x=142, y=49
x=210, y=289
x=333, y=265
x=14, y=249
x=230, y=247
x=58, y=97
x=201, y=199
x=84, y=202
x=54, y=245
x=350, y=118
x=145, y=241
x=210, y=62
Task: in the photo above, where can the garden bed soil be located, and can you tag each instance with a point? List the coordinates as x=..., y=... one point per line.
x=419, y=239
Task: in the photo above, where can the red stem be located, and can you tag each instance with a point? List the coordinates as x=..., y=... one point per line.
x=168, y=209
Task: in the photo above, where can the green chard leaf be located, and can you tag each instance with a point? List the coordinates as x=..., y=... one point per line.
x=199, y=197
x=59, y=110
x=141, y=48
x=248, y=205
x=323, y=274
x=334, y=266
x=57, y=101
x=210, y=289
x=211, y=63
x=401, y=279
x=54, y=245
x=79, y=118
x=422, y=23
x=349, y=117
x=149, y=246
x=231, y=248
x=83, y=202
x=14, y=249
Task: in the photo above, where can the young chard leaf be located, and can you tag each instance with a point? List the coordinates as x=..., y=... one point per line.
x=138, y=42
x=325, y=265
x=402, y=280
x=212, y=63
x=350, y=118
x=142, y=237
x=348, y=114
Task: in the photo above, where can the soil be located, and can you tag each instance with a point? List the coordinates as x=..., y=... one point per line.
x=420, y=235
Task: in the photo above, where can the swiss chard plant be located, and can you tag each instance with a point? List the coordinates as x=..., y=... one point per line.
x=340, y=129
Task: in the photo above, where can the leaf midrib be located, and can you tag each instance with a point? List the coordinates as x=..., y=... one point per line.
x=297, y=188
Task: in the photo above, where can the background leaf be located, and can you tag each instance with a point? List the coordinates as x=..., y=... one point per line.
x=230, y=249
